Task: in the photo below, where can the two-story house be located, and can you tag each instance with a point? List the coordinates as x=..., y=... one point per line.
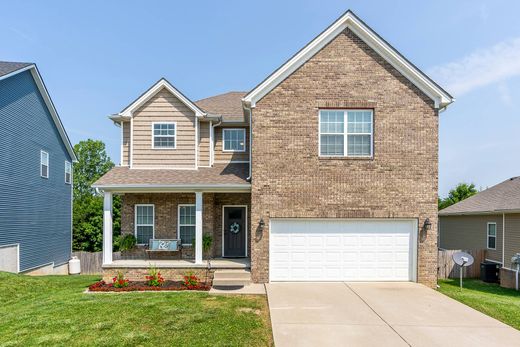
x=325, y=171
x=36, y=159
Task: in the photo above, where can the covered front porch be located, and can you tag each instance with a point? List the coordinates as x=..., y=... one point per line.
x=221, y=217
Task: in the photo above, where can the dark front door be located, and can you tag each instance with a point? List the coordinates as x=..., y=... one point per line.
x=235, y=231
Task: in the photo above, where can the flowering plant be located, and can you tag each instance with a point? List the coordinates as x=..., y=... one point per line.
x=154, y=278
x=191, y=281
x=119, y=281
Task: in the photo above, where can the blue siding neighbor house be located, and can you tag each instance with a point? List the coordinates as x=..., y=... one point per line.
x=35, y=175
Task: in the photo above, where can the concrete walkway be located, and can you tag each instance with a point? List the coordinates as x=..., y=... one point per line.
x=378, y=314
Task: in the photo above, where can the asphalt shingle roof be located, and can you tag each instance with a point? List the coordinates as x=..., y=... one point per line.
x=228, y=105
x=6, y=67
x=218, y=174
x=499, y=198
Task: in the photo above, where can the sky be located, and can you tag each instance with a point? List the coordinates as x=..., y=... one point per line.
x=98, y=56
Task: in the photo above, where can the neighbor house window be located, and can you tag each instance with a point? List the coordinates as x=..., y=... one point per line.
x=491, y=235
x=346, y=133
x=68, y=172
x=187, y=224
x=163, y=135
x=44, y=164
x=234, y=140
x=144, y=223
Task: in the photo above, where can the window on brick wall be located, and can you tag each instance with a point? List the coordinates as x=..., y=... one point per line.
x=346, y=133
x=144, y=223
x=187, y=224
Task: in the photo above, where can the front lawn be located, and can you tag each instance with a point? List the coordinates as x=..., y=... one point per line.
x=491, y=299
x=53, y=310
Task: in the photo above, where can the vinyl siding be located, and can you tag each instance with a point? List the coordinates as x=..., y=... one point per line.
x=125, y=160
x=470, y=232
x=34, y=212
x=221, y=156
x=512, y=238
x=204, y=144
x=163, y=107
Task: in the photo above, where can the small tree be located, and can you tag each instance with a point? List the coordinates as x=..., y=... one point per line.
x=461, y=192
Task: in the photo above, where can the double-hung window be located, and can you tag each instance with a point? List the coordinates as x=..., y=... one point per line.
x=144, y=223
x=234, y=140
x=492, y=235
x=187, y=224
x=68, y=172
x=44, y=164
x=346, y=133
x=163, y=135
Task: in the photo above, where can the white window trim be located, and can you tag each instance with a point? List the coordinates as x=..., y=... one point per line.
x=488, y=236
x=174, y=135
x=184, y=225
x=42, y=164
x=233, y=150
x=153, y=220
x=70, y=173
x=345, y=135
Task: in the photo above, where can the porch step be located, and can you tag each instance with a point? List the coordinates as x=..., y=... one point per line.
x=231, y=278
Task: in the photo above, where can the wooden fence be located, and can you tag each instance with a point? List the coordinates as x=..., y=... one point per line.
x=91, y=262
x=446, y=267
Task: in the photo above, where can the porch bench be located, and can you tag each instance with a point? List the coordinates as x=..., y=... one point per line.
x=160, y=246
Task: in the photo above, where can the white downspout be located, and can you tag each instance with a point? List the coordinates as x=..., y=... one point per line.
x=212, y=135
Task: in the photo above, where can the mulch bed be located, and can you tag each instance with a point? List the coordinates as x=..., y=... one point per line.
x=134, y=286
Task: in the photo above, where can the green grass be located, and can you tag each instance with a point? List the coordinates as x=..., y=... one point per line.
x=54, y=311
x=491, y=299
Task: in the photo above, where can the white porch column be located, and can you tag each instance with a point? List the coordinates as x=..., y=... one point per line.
x=198, y=227
x=107, y=228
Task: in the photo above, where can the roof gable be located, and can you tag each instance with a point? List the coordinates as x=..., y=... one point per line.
x=153, y=90
x=373, y=40
x=16, y=68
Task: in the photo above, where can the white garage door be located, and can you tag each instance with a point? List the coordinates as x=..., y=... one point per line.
x=342, y=250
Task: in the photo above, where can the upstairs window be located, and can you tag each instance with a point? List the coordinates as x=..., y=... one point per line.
x=492, y=235
x=44, y=164
x=187, y=224
x=163, y=135
x=234, y=140
x=68, y=172
x=346, y=133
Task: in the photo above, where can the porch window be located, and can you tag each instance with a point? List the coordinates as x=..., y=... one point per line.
x=187, y=224
x=163, y=135
x=491, y=235
x=234, y=140
x=144, y=223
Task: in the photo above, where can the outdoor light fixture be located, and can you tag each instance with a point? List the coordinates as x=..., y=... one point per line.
x=261, y=224
x=427, y=224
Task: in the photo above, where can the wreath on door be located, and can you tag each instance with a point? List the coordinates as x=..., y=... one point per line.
x=234, y=228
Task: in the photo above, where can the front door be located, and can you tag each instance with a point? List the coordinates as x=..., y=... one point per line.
x=235, y=231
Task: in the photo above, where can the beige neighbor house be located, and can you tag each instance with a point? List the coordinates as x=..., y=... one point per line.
x=489, y=220
x=325, y=171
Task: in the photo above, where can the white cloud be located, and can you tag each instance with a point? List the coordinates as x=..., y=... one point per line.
x=481, y=68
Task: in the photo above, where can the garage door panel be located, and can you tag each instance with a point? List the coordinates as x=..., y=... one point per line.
x=341, y=250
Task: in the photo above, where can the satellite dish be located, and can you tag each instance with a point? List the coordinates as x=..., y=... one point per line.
x=463, y=258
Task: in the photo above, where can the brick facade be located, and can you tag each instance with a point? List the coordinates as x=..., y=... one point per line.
x=166, y=215
x=290, y=180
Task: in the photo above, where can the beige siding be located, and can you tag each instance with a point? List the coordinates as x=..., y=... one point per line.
x=512, y=238
x=163, y=107
x=221, y=156
x=470, y=232
x=125, y=128
x=204, y=143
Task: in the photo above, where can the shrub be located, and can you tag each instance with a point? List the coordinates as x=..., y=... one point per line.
x=126, y=242
x=191, y=281
x=119, y=280
x=154, y=278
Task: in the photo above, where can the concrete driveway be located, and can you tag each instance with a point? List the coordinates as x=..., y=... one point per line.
x=378, y=314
